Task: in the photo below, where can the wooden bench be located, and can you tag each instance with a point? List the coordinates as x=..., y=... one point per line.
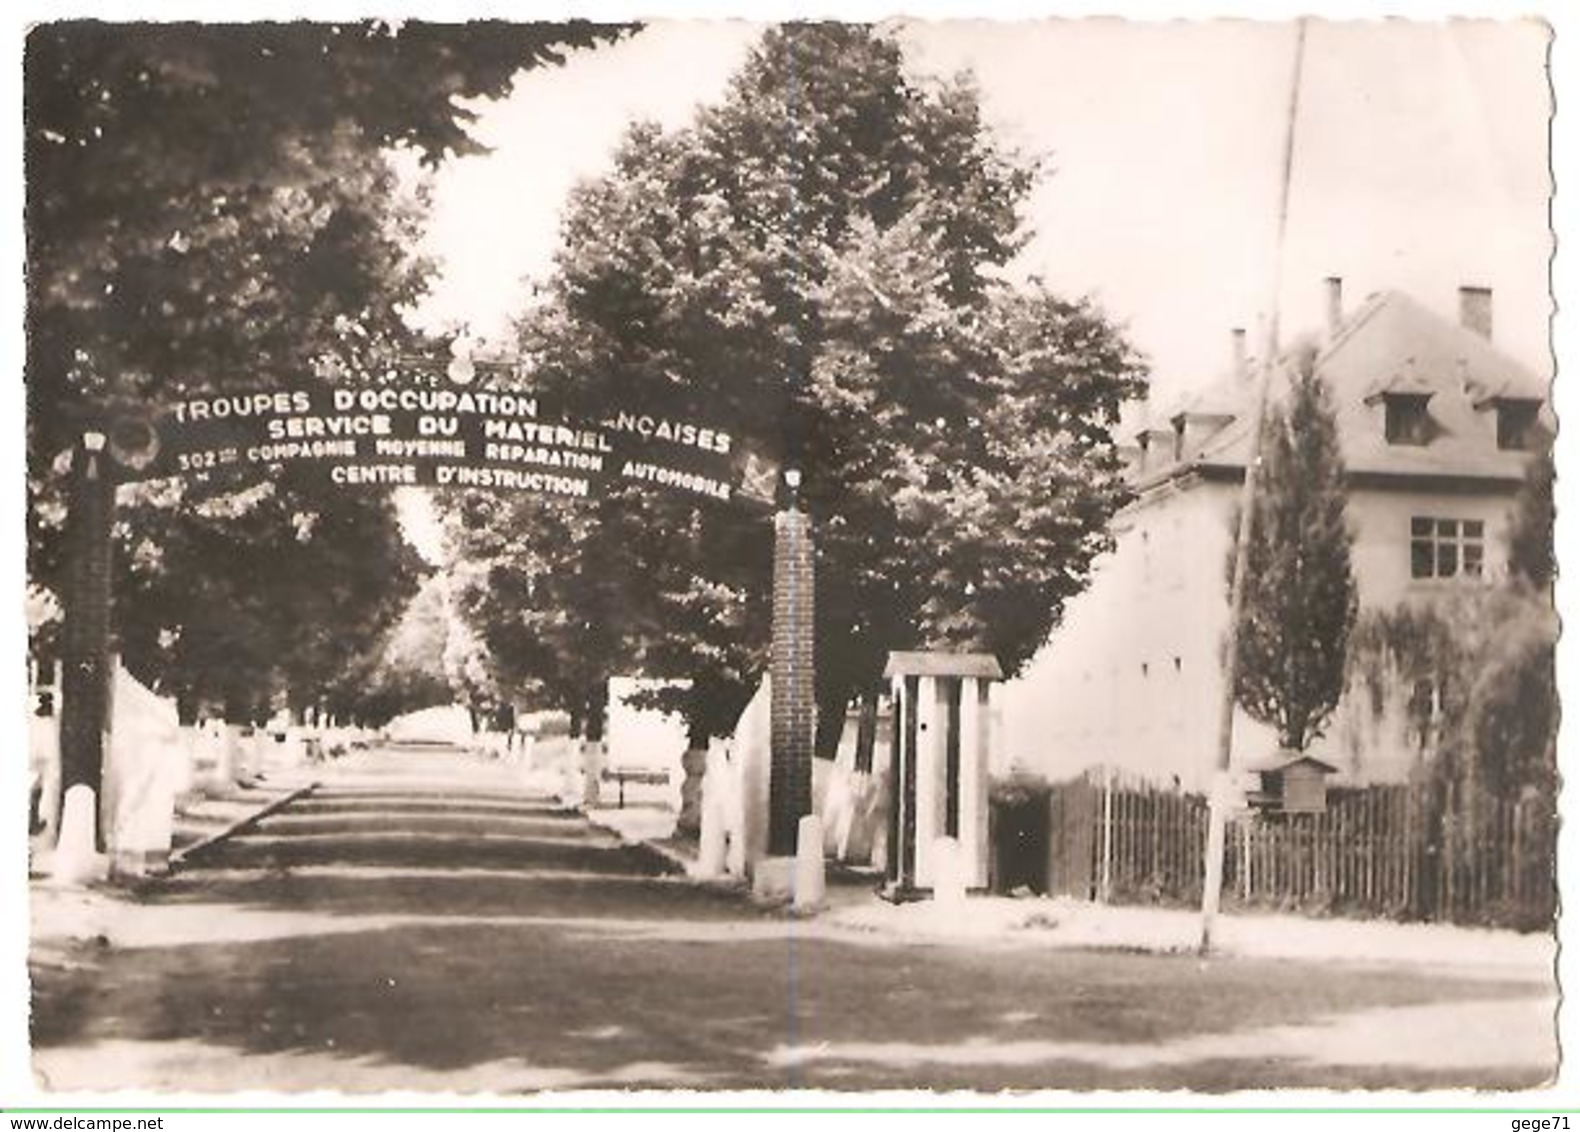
x=642, y=776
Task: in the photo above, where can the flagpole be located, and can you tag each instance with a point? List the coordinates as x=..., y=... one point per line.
x=1218, y=801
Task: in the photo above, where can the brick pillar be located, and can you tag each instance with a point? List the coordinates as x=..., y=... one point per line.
x=792, y=708
x=85, y=670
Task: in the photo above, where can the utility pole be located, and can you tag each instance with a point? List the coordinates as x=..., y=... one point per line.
x=1218, y=801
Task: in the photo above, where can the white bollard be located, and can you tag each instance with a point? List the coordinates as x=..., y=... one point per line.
x=227, y=759
x=711, y=847
x=46, y=740
x=949, y=882
x=77, y=859
x=262, y=750
x=183, y=757
x=808, y=887
x=143, y=825
x=713, y=836
x=219, y=763
x=592, y=773
x=570, y=779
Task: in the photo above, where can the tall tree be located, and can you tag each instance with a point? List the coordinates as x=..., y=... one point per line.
x=409, y=668
x=1490, y=655
x=817, y=263
x=262, y=597
x=207, y=205
x=1300, y=597
x=1531, y=531
x=555, y=626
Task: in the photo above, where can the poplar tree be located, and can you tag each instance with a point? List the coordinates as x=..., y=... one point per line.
x=1300, y=597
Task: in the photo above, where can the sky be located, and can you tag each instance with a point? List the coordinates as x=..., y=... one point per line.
x=1420, y=163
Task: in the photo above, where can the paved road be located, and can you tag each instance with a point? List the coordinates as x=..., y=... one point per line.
x=423, y=923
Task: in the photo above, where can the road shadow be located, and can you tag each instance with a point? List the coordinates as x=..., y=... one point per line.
x=584, y=1002
x=449, y=945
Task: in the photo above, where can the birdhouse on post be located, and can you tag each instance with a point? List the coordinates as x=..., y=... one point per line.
x=938, y=813
x=1293, y=785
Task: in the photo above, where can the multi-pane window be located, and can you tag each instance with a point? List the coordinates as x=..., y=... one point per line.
x=1446, y=548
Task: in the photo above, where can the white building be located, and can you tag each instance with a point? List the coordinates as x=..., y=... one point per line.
x=1435, y=424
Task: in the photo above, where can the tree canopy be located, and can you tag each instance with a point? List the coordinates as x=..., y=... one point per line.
x=208, y=205
x=1482, y=660
x=211, y=208
x=819, y=263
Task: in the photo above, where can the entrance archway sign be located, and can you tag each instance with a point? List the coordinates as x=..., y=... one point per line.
x=416, y=432
x=428, y=435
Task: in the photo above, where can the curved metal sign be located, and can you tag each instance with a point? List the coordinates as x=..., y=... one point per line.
x=446, y=437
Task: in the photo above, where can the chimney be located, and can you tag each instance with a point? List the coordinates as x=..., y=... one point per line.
x=1237, y=353
x=1475, y=310
x=1335, y=293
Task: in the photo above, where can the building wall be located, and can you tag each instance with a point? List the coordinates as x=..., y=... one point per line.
x=1381, y=522
x=1130, y=677
x=640, y=738
x=1133, y=677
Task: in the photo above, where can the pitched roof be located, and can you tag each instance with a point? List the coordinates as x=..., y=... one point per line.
x=1404, y=381
x=1392, y=344
x=941, y=663
x=1285, y=760
x=1224, y=396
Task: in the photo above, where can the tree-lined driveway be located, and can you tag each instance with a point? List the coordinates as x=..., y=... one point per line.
x=422, y=922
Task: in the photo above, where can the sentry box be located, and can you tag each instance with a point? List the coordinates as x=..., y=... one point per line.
x=1292, y=784
x=939, y=768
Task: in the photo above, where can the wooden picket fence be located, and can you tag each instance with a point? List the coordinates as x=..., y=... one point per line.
x=1419, y=852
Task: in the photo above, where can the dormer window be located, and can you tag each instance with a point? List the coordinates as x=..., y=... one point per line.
x=1405, y=419
x=1517, y=423
x=1404, y=394
x=1195, y=427
x=1157, y=448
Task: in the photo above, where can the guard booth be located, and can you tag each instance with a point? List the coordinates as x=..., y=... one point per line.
x=939, y=770
x=1293, y=784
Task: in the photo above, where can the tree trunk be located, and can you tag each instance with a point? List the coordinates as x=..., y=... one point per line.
x=867, y=731
x=592, y=747
x=694, y=767
x=597, y=711
x=85, y=637
x=830, y=727
x=188, y=741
